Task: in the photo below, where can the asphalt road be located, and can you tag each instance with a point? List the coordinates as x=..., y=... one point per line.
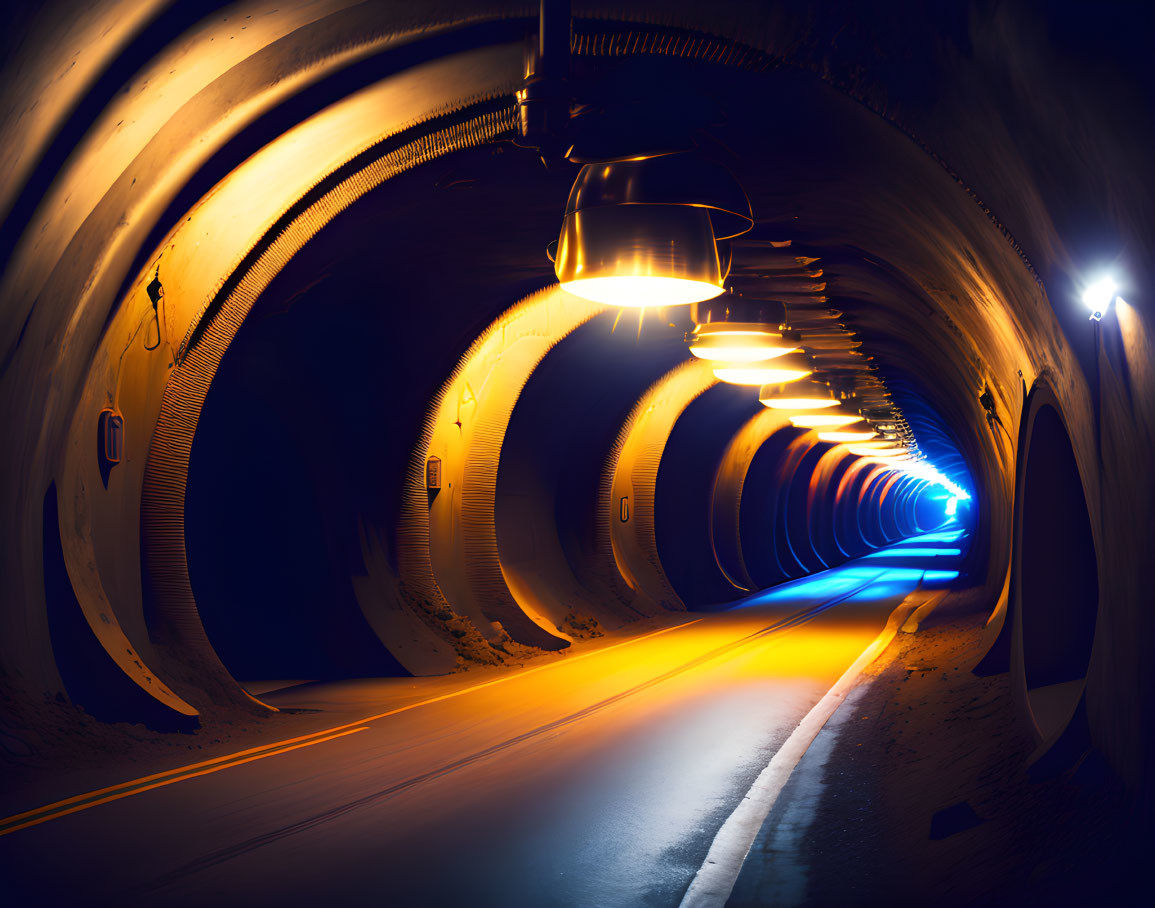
x=595, y=779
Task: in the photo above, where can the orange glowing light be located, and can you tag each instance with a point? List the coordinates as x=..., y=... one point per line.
x=787, y=368
x=737, y=343
x=881, y=449
x=808, y=395
x=639, y=255
x=799, y=403
x=639, y=291
x=840, y=437
x=823, y=420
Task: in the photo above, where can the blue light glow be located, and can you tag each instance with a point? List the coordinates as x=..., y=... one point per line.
x=862, y=582
x=899, y=551
x=947, y=536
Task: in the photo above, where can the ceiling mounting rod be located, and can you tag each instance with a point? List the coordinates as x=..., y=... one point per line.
x=544, y=102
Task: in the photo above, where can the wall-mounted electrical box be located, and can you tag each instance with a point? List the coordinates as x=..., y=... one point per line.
x=433, y=473
x=110, y=437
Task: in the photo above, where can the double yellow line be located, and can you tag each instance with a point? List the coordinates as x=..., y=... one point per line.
x=160, y=779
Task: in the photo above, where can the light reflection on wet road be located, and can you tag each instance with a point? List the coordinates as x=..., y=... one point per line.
x=599, y=780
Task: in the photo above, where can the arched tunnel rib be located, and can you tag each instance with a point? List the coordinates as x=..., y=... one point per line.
x=310, y=457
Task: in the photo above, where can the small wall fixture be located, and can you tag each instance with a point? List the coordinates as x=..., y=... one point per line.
x=433, y=473
x=110, y=437
x=645, y=232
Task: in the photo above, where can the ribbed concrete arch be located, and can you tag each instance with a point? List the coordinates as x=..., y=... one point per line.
x=800, y=531
x=1055, y=598
x=683, y=505
x=758, y=519
x=869, y=516
x=566, y=421
x=200, y=352
x=821, y=503
x=849, y=501
x=785, y=475
x=726, y=503
x=467, y=424
x=195, y=334
x=627, y=499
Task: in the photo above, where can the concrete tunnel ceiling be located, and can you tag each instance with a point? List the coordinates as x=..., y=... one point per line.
x=347, y=167
x=467, y=209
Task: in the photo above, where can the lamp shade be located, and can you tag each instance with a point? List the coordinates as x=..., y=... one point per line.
x=684, y=179
x=869, y=450
x=801, y=395
x=824, y=420
x=787, y=368
x=646, y=232
x=738, y=342
x=839, y=437
x=639, y=255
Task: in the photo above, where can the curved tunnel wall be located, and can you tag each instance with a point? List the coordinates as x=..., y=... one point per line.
x=66, y=318
x=728, y=496
x=561, y=432
x=687, y=491
x=1056, y=585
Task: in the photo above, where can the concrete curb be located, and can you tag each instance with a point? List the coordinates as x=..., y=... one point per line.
x=715, y=879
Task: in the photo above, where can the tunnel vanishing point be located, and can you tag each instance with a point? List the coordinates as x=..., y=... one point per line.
x=312, y=379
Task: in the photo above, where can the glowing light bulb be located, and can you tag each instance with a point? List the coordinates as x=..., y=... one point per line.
x=799, y=403
x=780, y=370
x=641, y=291
x=645, y=232
x=824, y=420
x=843, y=436
x=758, y=375
x=865, y=450
x=738, y=344
x=805, y=395
x=1098, y=296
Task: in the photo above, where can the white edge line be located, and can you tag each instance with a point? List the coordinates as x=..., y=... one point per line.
x=715, y=879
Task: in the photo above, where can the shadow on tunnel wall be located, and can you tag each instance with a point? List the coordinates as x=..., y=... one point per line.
x=554, y=455
x=758, y=517
x=683, y=502
x=91, y=679
x=1058, y=576
x=288, y=455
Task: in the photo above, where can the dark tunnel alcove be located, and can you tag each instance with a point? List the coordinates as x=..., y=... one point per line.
x=683, y=496
x=823, y=512
x=284, y=465
x=798, y=533
x=91, y=678
x=936, y=186
x=1058, y=575
x=552, y=459
x=310, y=423
x=759, y=510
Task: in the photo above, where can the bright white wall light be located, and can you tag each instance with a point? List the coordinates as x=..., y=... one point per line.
x=1099, y=295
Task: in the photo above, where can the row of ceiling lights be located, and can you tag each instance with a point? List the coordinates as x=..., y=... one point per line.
x=656, y=229
x=656, y=232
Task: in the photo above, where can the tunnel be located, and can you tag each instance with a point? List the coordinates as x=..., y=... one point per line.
x=330, y=422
